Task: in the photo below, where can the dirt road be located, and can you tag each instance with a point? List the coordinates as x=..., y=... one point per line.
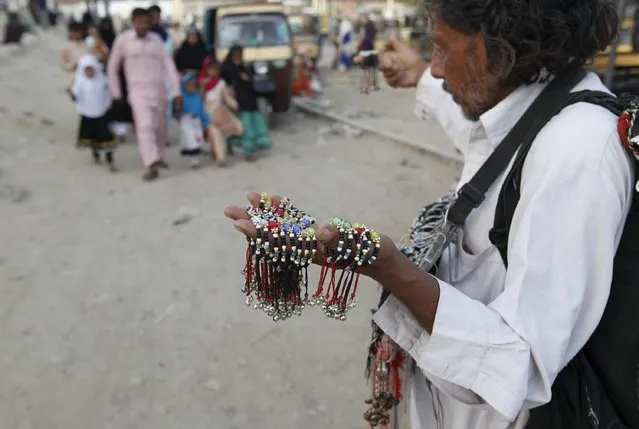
x=111, y=317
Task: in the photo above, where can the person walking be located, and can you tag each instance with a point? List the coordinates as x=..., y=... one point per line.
x=93, y=100
x=107, y=32
x=346, y=44
x=155, y=16
x=146, y=63
x=191, y=54
x=14, y=30
x=239, y=77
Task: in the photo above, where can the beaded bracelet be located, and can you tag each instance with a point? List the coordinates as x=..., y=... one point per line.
x=358, y=247
x=277, y=261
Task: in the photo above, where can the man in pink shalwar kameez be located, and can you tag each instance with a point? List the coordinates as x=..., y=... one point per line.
x=146, y=64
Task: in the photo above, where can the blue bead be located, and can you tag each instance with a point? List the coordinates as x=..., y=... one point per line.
x=306, y=223
x=297, y=229
x=286, y=228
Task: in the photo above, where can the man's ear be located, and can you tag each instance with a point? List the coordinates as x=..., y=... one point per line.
x=478, y=44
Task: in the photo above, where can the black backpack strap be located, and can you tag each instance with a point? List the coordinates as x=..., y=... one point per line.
x=509, y=194
x=472, y=194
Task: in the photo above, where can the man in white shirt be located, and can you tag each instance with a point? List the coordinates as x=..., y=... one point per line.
x=487, y=342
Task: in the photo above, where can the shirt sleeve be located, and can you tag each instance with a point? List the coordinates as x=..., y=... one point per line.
x=506, y=353
x=113, y=67
x=172, y=73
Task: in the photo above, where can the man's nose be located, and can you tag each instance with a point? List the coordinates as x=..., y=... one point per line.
x=436, y=66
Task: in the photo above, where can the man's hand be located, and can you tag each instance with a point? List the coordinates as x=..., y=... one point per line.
x=177, y=103
x=402, y=67
x=327, y=236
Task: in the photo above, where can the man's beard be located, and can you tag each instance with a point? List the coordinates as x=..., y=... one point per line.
x=479, y=97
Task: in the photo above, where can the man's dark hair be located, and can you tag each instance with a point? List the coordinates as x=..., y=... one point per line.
x=525, y=37
x=155, y=9
x=139, y=12
x=75, y=26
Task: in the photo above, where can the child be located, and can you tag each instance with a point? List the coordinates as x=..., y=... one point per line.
x=93, y=99
x=191, y=139
x=75, y=47
x=306, y=82
x=219, y=101
x=255, y=135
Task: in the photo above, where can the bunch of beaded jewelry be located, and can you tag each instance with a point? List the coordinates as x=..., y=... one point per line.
x=275, y=274
x=358, y=247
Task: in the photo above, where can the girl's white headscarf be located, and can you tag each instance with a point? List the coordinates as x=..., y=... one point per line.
x=346, y=36
x=93, y=98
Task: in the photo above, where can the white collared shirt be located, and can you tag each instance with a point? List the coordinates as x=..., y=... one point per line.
x=500, y=338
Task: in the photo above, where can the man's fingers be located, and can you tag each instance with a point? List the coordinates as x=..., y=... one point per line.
x=245, y=227
x=387, y=61
x=397, y=44
x=235, y=213
x=254, y=198
x=327, y=235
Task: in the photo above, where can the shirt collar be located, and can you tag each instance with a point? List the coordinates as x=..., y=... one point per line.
x=499, y=120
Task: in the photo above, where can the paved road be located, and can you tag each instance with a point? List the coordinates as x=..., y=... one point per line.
x=113, y=318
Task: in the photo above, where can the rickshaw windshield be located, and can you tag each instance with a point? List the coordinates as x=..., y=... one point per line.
x=253, y=30
x=303, y=24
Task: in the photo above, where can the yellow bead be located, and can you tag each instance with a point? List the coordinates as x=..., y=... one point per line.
x=374, y=235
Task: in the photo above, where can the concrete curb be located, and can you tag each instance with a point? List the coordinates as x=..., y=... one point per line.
x=308, y=107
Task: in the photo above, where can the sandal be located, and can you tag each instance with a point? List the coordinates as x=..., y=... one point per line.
x=150, y=175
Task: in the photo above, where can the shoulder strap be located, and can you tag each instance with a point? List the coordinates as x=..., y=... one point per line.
x=509, y=194
x=472, y=194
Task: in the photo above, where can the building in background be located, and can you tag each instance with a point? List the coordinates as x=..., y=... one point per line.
x=192, y=11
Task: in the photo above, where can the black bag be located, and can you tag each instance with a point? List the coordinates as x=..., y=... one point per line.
x=121, y=110
x=599, y=388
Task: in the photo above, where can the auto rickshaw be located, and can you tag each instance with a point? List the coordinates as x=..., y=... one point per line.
x=263, y=31
x=626, y=72
x=306, y=35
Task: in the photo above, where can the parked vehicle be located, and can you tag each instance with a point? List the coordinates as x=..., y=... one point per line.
x=306, y=35
x=263, y=31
